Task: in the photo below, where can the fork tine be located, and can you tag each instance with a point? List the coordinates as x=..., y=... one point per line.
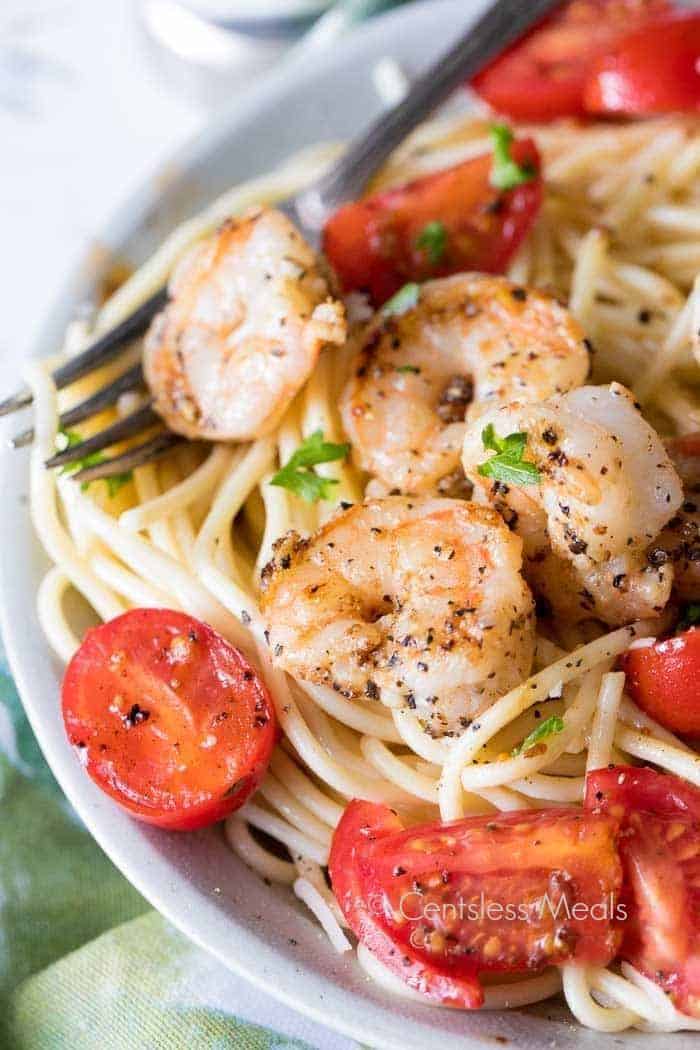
x=99, y=353
x=131, y=425
x=134, y=457
x=12, y=404
x=103, y=398
x=106, y=396
x=109, y=344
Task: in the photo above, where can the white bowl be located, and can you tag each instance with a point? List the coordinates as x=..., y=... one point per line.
x=194, y=879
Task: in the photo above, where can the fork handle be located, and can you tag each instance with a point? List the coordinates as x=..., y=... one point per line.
x=503, y=23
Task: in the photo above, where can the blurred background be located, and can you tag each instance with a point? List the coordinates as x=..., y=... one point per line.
x=97, y=94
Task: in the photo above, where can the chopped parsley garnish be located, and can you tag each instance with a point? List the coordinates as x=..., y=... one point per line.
x=68, y=439
x=298, y=475
x=508, y=464
x=432, y=239
x=405, y=299
x=690, y=617
x=506, y=172
x=548, y=728
x=408, y=368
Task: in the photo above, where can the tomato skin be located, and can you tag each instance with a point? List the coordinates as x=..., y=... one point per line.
x=362, y=823
x=660, y=848
x=170, y=719
x=621, y=789
x=409, y=894
x=654, y=70
x=664, y=680
x=543, y=75
x=372, y=243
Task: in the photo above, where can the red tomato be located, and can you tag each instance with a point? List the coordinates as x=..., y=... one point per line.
x=374, y=244
x=653, y=70
x=442, y=903
x=621, y=789
x=169, y=719
x=660, y=848
x=363, y=823
x=543, y=75
x=664, y=679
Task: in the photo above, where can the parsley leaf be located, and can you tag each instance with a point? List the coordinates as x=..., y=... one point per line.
x=432, y=239
x=70, y=438
x=405, y=299
x=548, y=728
x=690, y=617
x=306, y=484
x=507, y=173
x=408, y=368
x=508, y=464
x=297, y=474
x=513, y=444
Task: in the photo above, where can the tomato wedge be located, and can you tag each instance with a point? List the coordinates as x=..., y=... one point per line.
x=361, y=824
x=653, y=70
x=379, y=243
x=169, y=719
x=442, y=903
x=544, y=75
x=660, y=849
x=664, y=679
x=621, y=789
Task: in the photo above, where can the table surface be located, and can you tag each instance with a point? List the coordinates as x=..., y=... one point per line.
x=85, y=115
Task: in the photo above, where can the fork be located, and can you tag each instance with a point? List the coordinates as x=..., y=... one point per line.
x=503, y=23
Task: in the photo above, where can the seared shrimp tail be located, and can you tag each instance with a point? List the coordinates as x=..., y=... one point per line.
x=249, y=312
x=606, y=488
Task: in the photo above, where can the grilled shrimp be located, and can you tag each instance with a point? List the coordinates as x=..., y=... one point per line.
x=606, y=490
x=414, y=602
x=470, y=341
x=249, y=312
x=679, y=542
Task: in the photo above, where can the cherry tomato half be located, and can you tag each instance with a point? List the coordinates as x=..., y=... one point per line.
x=379, y=243
x=653, y=70
x=169, y=718
x=664, y=679
x=660, y=848
x=544, y=75
x=442, y=903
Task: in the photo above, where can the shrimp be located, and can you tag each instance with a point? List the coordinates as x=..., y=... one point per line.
x=418, y=603
x=249, y=312
x=606, y=489
x=470, y=341
x=679, y=542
